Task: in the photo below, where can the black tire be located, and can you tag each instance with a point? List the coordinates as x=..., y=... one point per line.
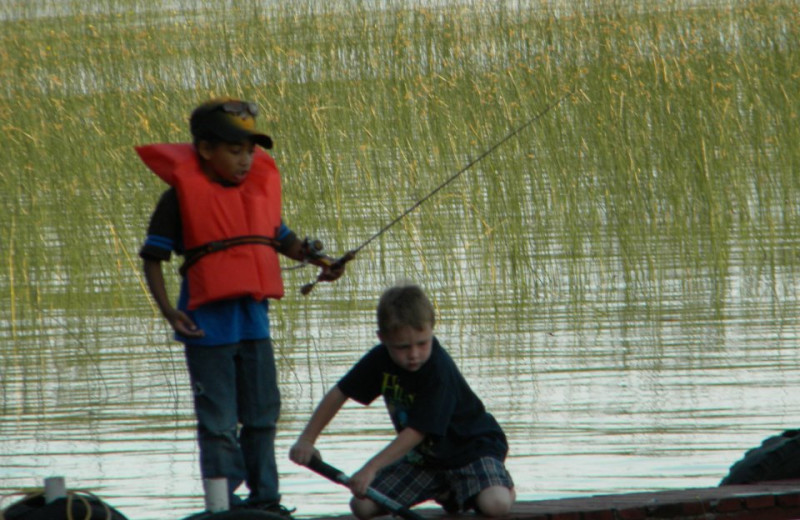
x=35, y=508
x=236, y=514
x=778, y=458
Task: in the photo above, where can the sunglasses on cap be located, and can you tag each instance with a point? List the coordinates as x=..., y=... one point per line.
x=239, y=108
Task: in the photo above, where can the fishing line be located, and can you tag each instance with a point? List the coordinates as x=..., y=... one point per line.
x=307, y=288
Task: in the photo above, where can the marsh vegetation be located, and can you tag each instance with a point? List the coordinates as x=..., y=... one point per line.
x=646, y=229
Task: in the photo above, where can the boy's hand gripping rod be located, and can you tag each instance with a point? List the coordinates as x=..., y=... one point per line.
x=307, y=288
x=326, y=470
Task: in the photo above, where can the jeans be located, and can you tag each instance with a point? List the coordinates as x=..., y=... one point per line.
x=237, y=384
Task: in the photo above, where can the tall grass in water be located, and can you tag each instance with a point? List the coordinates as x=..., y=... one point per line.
x=681, y=139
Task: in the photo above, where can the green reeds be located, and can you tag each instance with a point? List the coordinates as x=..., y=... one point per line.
x=681, y=139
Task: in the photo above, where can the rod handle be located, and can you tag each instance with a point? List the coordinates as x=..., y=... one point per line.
x=326, y=470
x=340, y=262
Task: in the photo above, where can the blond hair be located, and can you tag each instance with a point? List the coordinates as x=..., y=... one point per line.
x=404, y=305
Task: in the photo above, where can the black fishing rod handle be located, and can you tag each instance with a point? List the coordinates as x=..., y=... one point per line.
x=326, y=470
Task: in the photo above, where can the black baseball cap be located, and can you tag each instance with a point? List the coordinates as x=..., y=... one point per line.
x=227, y=119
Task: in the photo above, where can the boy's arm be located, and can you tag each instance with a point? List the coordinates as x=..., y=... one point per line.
x=303, y=449
x=405, y=441
x=179, y=321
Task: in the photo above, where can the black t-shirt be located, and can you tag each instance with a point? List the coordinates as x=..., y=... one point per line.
x=435, y=400
x=165, y=222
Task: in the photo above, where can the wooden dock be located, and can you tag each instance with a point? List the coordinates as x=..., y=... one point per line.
x=765, y=501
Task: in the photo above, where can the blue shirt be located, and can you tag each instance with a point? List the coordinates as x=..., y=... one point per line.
x=226, y=321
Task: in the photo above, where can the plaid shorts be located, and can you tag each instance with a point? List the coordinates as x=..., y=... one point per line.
x=409, y=484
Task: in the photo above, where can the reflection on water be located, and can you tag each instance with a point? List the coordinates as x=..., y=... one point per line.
x=611, y=391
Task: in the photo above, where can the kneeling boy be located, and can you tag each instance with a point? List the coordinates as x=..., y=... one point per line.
x=447, y=446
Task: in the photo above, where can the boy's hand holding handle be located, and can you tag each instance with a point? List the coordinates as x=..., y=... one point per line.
x=331, y=270
x=303, y=451
x=326, y=470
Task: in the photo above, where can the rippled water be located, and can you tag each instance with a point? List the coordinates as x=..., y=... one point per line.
x=605, y=393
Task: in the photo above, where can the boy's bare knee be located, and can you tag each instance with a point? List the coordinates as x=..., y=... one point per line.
x=364, y=508
x=495, y=501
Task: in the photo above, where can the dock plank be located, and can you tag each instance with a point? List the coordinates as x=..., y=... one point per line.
x=764, y=501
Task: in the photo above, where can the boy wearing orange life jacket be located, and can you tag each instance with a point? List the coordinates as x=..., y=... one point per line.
x=222, y=212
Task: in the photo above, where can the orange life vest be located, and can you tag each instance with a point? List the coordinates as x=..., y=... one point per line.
x=211, y=212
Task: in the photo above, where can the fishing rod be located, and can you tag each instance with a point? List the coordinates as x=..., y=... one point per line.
x=336, y=475
x=307, y=288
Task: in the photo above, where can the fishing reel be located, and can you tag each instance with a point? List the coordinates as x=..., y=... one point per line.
x=312, y=249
